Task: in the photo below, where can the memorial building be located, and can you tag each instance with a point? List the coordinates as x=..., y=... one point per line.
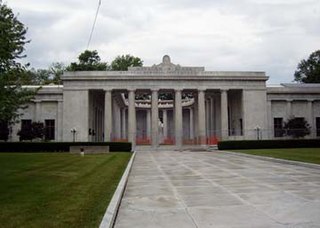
x=169, y=104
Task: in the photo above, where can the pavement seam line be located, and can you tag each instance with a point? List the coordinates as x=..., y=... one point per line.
x=175, y=190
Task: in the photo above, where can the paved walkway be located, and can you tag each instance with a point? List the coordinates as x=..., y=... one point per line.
x=216, y=189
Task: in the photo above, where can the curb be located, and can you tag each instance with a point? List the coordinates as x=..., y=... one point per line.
x=112, y=210
x=278, y=160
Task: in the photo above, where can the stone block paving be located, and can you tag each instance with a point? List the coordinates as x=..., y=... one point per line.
x=216, y=189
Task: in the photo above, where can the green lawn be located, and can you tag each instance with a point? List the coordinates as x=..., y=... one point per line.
x=310, y=155
x=57, y=190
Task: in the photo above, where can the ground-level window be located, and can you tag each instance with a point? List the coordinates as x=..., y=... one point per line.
x=4, y=130
x=278, y=127
x=318, y=125
x=49, y=129
x=25, y=131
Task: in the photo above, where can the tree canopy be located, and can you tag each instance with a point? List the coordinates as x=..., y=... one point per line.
x=88, y=61
x=308, y=71
x=12, y=41
x=56, y=69
x=44, y=76
x=121, y=63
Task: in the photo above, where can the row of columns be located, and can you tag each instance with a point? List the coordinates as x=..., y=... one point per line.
x=200, y=117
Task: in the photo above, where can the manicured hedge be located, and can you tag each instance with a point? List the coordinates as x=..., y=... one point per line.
x=268, y=144
x=59, y=146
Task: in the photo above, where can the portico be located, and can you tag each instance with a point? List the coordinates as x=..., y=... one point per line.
x=165, y=104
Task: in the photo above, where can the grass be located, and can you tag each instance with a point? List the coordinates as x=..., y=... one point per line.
x=57, y=190
x=310, y=155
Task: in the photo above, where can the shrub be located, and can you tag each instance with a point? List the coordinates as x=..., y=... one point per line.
x=59, y=146
x=268, y=144
x=297, y=127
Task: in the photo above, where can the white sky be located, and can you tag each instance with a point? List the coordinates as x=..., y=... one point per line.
x=241, y=35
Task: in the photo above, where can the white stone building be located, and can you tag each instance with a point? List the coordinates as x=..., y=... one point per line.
x=136, y=106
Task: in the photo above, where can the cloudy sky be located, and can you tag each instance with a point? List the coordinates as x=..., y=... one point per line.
x=245, y=35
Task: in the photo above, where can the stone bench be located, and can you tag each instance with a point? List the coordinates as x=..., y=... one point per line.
x=89, y=149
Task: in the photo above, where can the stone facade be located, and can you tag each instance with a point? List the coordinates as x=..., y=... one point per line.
x=168, y=104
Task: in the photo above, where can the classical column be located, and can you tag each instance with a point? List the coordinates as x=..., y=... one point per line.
x=108, y=116
x=207, y=108
x=123, y=124
x=201, y=117
x=178, y=118
x=155, y=118
x=310, y=118
x=214, y=116
x=60, y=121
x=100, y=125
x=212, y=133
x=148, y=116
x=37, y=115
x=191, y=123
x=224, y=115
x=117, y=119
x=165, y=123
x=270, y=120
x=132, y=119
x=195, y=117
x=289, y=110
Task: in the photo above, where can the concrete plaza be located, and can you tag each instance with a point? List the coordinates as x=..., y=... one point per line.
x=217, y=189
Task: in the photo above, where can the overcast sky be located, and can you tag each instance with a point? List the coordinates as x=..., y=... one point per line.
x=241, y=35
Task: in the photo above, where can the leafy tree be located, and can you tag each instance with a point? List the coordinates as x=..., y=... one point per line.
x=43, y=76
x=12, y=41
x=297, y=127
x=88, y=61
x=35, y=77
x=121, y=63
x=57, y=69
x=33, y=131
x=308, y=71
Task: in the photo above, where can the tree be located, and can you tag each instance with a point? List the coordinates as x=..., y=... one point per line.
x=57, y=69
x=12, y=41
x=35, y=77
x=297, y=127
x=121, y=63
x=43, y=76
x=308, y=71
x=88, y=61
